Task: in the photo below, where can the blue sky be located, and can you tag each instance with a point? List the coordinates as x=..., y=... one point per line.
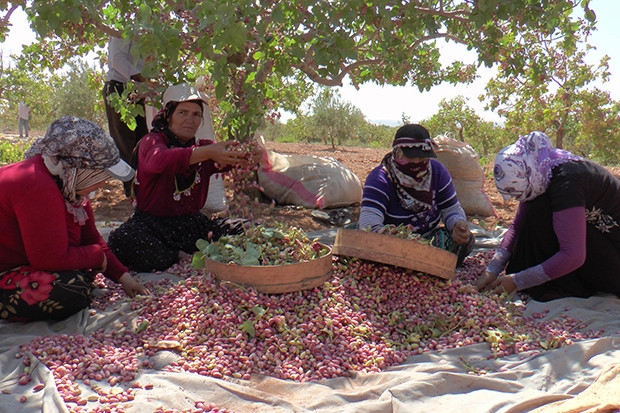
x=387, y=104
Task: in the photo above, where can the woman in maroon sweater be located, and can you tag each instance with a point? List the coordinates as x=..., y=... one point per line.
x=50, y=248
x=171, y=186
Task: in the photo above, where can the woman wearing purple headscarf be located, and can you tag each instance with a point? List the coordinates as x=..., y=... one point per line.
x=565, y=237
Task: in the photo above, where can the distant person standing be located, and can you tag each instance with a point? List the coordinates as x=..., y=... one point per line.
x=123, y=67
x=23, y=119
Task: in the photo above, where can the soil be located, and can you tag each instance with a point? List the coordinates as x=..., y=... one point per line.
x=110, y=204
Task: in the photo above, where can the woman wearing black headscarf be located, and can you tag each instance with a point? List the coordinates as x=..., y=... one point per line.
x=412, y=188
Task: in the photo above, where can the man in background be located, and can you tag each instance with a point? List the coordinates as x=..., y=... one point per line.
x=23, y=117
x=123, y=67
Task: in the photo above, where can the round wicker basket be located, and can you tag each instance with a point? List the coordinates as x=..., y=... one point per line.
x=275, y=279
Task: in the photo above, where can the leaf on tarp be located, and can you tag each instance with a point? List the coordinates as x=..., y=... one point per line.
x=142, y=326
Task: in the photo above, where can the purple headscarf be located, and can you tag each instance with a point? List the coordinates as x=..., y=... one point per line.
x=522, y=170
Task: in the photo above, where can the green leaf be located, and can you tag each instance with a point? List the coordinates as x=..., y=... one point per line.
x=249, y=260
x=277, y=13
x=202, y=244
x=248, y=328
x=258, y=310
x=198, y=260
x=142, y=326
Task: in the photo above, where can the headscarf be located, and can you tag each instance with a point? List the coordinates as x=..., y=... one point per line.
x=70, y=146
x=523, y=170
x=412, y=181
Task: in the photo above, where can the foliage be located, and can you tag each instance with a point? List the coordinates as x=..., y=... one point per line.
x=74, y=90
x=330, y=120
x=78, y=95
x=552, y=93
x=11, y=152
x=334, y=120
x=459, y=121
x=33, y=86
x=261, y=56
x=261, y=245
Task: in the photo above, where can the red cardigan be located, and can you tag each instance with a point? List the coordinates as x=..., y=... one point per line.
x=155, y=183
x=36, y=229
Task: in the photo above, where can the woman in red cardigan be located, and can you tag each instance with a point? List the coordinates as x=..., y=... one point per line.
x=50, y=248
x=172, y=184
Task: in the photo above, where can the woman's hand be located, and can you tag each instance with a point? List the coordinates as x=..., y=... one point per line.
x=504, y=284
x=461, y=232
x=485, y=281
x=131, y=286
x=218, y=152
x=497, y=285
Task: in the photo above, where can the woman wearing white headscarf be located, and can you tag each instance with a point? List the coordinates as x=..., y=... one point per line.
x=565, y=237
x=172, y=184
x=50, y=248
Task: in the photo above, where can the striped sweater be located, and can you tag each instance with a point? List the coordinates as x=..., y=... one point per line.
x=381, y=206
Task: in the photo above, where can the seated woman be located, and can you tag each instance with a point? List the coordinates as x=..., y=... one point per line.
x=411, y=188
x=50, y=248
x=171, y=186
x=565, y=237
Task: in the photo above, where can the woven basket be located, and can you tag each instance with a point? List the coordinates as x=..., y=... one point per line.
x=388, y=249
x=275, y=279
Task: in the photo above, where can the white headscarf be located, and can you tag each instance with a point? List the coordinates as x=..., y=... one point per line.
x=522, y=170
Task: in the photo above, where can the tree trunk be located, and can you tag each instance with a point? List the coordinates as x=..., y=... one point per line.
x=559, y=138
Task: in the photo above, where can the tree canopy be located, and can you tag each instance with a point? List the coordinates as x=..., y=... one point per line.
x=258, y=57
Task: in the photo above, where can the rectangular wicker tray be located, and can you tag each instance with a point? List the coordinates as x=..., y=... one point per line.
x=387, y=249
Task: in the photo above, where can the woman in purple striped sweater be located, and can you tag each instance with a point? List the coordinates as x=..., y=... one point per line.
x=412, y=188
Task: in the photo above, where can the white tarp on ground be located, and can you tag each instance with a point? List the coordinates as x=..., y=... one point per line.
x=583, y=377
x=439, y=381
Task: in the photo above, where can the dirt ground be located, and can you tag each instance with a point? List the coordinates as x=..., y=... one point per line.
x=110, y=204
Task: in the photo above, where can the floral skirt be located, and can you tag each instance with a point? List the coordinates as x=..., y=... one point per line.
x=441, y=238
x=28, y=294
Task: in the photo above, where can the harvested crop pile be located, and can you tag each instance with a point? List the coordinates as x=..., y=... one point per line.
x=367, y=317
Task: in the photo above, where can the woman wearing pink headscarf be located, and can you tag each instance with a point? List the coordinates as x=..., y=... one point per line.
x=565, y=238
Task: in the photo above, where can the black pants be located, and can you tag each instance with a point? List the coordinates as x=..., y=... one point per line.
x=149, y=243
x=124, y=137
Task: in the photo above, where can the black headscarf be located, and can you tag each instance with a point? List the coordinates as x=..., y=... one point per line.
x=159, y=124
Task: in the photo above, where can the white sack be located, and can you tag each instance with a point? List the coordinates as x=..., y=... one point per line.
x=216, y=197
x=309, y=181
x=468, y=176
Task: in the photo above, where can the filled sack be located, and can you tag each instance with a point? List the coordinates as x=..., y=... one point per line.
x=309, y=181
x=463, y=163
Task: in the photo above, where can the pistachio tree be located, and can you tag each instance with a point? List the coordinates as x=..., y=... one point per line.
x=553, y=90
x=261, y=56
x=456, y=119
